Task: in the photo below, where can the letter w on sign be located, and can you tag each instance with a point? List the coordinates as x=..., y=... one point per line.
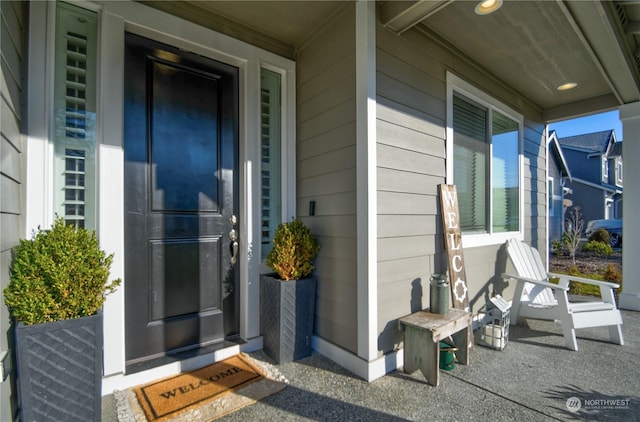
x=453, y=244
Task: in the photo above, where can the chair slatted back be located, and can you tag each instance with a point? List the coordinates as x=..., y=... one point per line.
x=528, y=263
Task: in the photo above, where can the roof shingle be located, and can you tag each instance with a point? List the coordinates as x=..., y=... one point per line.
x=594, y=142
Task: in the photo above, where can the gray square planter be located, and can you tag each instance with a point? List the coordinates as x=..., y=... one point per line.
x=59, y=367
x=287, y=313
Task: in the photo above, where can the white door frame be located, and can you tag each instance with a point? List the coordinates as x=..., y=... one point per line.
x=116, y=18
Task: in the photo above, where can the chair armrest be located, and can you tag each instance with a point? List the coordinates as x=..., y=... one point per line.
x=585, y=280
x=538, y=282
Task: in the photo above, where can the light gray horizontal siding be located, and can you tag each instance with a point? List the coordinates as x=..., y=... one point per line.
x=12, y=33
x=331, y=162
x=11, y=156
x=535, y=174
x=394, y=180
x=483, y=267
x=339, y=115
x=397, y=225
x=326, y=172
x=404, y=271
x=398, y=203
x=411, y=162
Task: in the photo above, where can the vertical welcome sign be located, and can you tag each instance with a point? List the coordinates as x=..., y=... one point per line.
x=453, y=243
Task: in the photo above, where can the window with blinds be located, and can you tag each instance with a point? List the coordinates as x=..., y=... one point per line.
x=74, y=109
x=74, y=187
x=485, y=167
x=471, y=153
x=76, y=86
x=270, y=158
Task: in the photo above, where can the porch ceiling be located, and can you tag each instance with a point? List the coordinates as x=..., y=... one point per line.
x=534, y=46
x=277, y=26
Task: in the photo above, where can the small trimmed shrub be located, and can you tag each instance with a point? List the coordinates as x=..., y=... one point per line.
x=598, y=248
x=557, y=247
x=574, y=270
x=600, y=235
x=294, y=249
x=59, y=274
x=613, y=274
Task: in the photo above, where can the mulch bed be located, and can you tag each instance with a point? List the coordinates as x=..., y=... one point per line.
x=586, y=263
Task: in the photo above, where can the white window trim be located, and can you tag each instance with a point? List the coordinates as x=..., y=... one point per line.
x=618, y=171
x=456, y=84
x=551, y=205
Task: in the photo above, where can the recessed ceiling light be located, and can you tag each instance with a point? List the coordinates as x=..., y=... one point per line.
x=488, y=6
x=567, y=86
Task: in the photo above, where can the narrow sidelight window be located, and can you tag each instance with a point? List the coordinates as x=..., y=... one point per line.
x=271, y=151
x=75, y=116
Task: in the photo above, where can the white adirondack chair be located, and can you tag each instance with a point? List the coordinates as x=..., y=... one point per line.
x=535, y=297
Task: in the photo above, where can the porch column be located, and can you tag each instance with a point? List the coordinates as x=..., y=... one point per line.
x=630, y=296
x=366, y=180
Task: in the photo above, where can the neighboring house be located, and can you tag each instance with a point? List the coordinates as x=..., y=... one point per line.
x=616, y=177
x=595, y=160
x=165, y=125
x=557, y=177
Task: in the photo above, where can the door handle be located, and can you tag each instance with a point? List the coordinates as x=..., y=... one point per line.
x=233, y=235
x=234, y=252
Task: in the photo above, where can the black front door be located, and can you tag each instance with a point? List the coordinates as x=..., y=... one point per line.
x=180, y=181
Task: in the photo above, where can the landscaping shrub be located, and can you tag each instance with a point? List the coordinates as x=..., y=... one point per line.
x=598, y=248
x=574, y=270
x=294, y=249
x=600, y=235
x=557, y=247
x=613, y=274
x=59, y=274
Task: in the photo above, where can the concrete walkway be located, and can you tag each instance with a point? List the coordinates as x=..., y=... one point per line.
x=530, y=380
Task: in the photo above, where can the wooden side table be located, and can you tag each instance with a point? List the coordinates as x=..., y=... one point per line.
x=423, y=332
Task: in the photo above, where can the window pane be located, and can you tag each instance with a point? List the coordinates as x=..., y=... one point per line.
x=270, y=158
x=505, y=173
x=471, y=151
x=74, y=111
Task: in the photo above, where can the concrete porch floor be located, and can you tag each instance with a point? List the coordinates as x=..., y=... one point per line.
x=530, y=380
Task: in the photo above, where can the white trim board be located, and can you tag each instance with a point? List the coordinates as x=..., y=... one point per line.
x=368, y=371
x=366, y=181
x=596, y=186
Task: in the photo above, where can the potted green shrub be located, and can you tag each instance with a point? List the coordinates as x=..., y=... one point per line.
x=288, y=295
x=58, y=284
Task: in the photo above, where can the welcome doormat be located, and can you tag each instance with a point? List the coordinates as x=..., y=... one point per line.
x=204, y=394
